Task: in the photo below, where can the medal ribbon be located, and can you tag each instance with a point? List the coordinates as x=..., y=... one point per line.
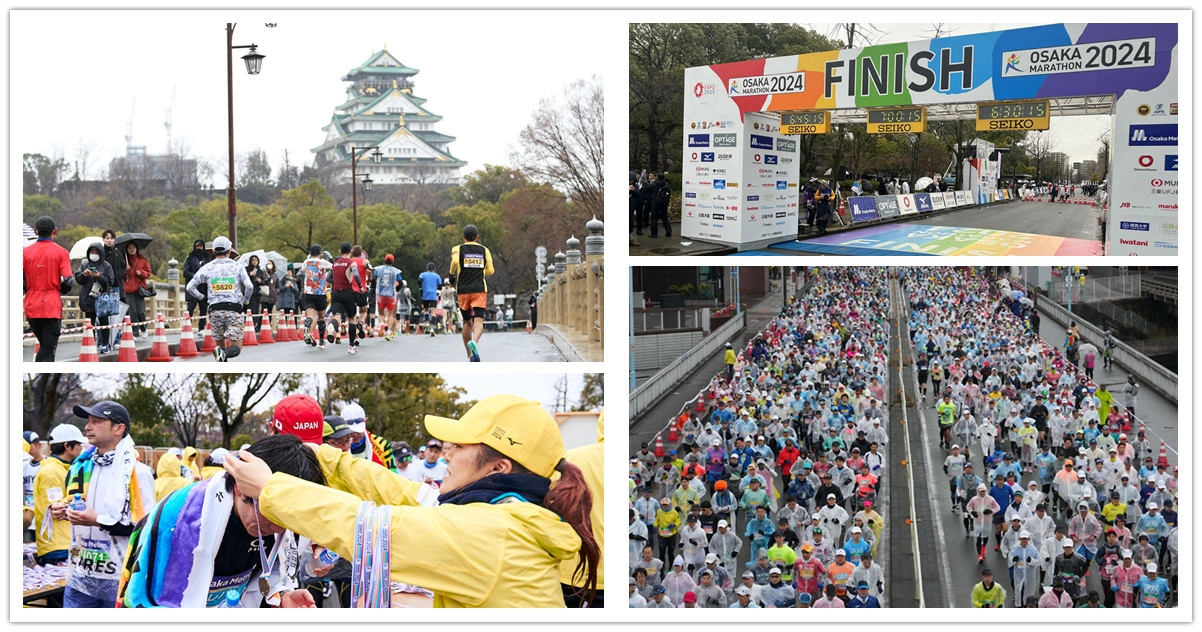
x=371, y=561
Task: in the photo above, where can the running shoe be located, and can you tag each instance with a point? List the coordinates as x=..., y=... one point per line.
x=103, y=349
x=309, y=338
x=473, y=351
x=321, y=344
x=337, y=340
x=219, y=354
x=352, y=349
x=330, y=332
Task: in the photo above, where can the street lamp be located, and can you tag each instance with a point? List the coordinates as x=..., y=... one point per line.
x=254, y=63
x=375, y=158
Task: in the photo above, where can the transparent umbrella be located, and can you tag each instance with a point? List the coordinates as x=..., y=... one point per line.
x=80, y=249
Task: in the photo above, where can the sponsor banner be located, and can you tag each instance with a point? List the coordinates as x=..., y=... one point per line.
x=924, y=203
x=863, y=208
x=1152, y=135
x=962, y=198
x=1038, y=62
x=887, y=206
x=783, y=83
x=699, y=140
x=937, y=202
x=906, y=204
x=726, y=140
x=1051, y=60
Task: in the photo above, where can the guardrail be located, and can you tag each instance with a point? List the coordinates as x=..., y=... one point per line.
x=658, y=319
x=897, y=309
x=574, y=296
x=1149, y=372
x=650, y=391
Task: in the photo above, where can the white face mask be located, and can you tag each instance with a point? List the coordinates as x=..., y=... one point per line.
x=94, y=257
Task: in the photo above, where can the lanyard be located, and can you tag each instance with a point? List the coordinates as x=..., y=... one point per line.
x=265, y=560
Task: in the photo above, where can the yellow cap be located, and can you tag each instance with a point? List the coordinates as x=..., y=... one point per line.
x=516, y=427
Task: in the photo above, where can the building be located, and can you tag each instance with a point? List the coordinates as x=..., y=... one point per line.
x=382, y=110
x=166, y=173
x=1057, y=162
x=1089, y=170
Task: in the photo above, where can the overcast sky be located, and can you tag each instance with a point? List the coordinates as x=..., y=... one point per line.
x=75, y=74
x=1074, y=135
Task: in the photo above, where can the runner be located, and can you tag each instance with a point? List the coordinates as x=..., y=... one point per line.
x=229, y=291
x=344, y=300
x=314, y=284
x=363, y=290
x=430, y=284
x=388, y=279
x=471, y=263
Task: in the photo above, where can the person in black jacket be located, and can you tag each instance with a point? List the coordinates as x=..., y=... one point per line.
x=195, y=261
x=115, y=257
x=636, y=205
x=95, y=277
x=656, y=196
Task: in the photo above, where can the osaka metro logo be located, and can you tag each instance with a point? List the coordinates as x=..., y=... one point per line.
x=1012, y=63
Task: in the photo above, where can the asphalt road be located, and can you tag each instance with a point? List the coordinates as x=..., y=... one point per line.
x=1076, y=221
x=513, y=346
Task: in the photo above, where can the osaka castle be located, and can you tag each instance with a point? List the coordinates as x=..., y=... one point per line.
x=381, y=110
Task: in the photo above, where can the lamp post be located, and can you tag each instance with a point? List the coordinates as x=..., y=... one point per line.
x=375, y=158
x=254, y=63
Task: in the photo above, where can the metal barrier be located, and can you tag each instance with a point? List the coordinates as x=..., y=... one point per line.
x=646, y=394
x=897, y=313
x=657, y=319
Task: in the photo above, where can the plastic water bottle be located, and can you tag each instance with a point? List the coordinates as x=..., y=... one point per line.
x=327, y=557
x=78, y=504
x=232, y=599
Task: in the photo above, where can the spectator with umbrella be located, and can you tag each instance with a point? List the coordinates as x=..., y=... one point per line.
x=137, y=277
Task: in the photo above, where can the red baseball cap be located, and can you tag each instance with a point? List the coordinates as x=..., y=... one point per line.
x=299, y=415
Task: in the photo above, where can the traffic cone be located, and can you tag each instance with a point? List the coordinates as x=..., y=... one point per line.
x=159, y=351
x=659, y=447
x=282, y=332
x=673, y=433
x=187, y=340
x=1163, y=459
x=208, y=344
x=87, y=347
x=128, y=352
x=248, y=332
x=528, y=328
x=265, y=330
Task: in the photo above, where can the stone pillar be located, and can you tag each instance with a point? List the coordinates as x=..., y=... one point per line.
x=559, y=289
x=594, y=252
x=173, y=307
x=575, y=302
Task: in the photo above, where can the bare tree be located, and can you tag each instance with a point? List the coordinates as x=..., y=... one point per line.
x=45, y=394
x=564, y=144
x=233, y=396
x=1040, y=146
x=1103, y=168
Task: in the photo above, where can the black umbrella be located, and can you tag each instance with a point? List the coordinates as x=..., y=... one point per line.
x=142, y=240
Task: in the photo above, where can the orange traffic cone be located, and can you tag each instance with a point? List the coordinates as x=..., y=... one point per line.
x=673, y=433
x=265, y=330
x=282, y=333
x=659, y=447
x=1163, y=459
x=248, y=332
x=528, y=327
x=128, y=352
x=87, y=347
x=187, y=340
x=159, y=352
x=208, y=344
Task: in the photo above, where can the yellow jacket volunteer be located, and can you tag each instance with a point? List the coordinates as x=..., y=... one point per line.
x=501, y=531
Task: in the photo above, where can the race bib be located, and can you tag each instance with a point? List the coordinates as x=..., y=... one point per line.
x=222, y=284
x=94, y=562
x=473, y=261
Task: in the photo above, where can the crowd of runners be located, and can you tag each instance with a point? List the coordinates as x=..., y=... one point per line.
x=783, y=464
x=1041, y=459
x=349, y=295
x=782, y=461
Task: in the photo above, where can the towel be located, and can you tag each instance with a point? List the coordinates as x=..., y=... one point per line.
x=172, y=554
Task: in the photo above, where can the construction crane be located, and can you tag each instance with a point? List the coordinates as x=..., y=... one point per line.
x=167, y=123
x=129, y=128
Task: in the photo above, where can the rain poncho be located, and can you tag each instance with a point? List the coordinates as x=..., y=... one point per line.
x=1024, y=571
